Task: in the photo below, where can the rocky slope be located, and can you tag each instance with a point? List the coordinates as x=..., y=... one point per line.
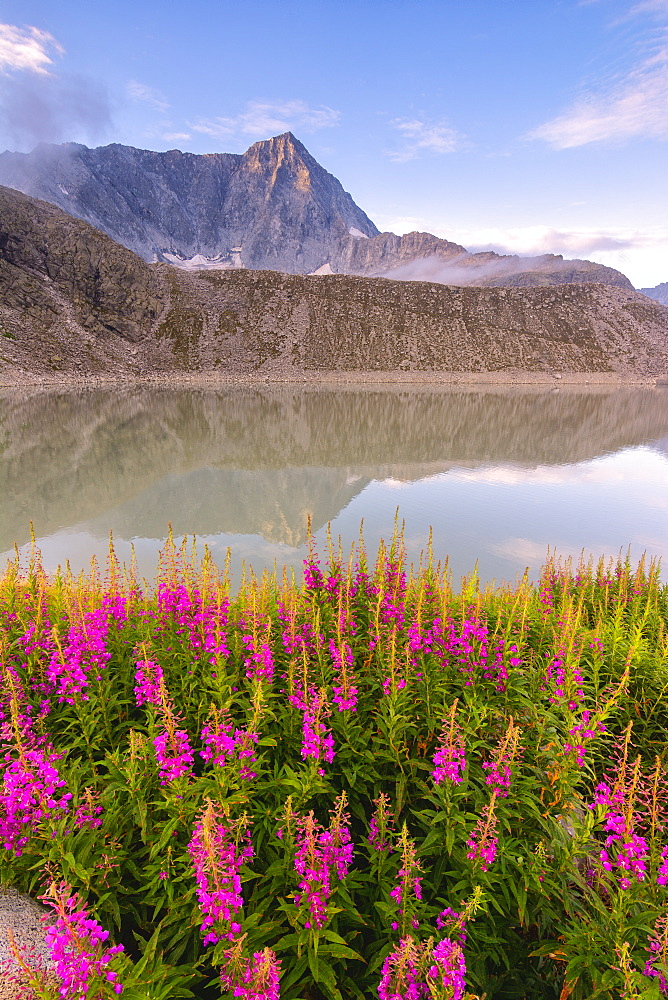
x=274, y=207
x=72, y=300
x=659, y=293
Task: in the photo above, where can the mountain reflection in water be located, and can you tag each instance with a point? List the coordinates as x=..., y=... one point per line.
x=493, y=471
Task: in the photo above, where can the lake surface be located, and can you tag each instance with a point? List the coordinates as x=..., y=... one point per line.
x=499, y=476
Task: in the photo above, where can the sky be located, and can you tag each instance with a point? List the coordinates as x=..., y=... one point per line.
x=537, y=126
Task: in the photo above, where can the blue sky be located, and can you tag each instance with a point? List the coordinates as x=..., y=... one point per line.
x=536, y=126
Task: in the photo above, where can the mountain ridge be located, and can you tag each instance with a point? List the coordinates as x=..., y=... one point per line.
x=659, y=293
x=73, y=302
x=273, y=207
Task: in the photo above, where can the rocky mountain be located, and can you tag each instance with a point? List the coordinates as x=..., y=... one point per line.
x=72, y=300
x=275, y=202
x=273, y=207
x=659, y=293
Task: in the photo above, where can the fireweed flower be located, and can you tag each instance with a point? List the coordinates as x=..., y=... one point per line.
x=584, y=731
x=208, y=630
x=313, y=575
x=495, y=668
x=75, y=943
x=218, y=848
x=260, y=661
x=29, y=794
x=84, y=652
x=256, y=978
x=173, y=752
x=199, y=624
x=403, y=974
x=563, y=677
x=408, y=892
x=317, y=740
x=499, y=768
x=225, y=745
x=345, y=693
x=656, y=965
x=448, y=969
x=336, y=842
x=454, y=923
x=16, y=713
x=149, y=683
x=321, y=855
x=380, y=827
x=624, y=850
x=450, y=756
x=604, y=796
x=662, y=877
x=296, y=637
x=315, y=886
x=625, y=853
x=466, y=644
x=393, y=683
x=483, y=842
x=415, y=970
x=89, y=811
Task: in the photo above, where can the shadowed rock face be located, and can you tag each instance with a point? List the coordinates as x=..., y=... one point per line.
x=73, y=301
x=271, y=208
x=261, y=461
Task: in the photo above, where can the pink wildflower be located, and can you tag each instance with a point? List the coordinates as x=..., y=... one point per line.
x=450, y=756
x=483, y=842
x=218, y=849
x=317, y=740
x=75, y=943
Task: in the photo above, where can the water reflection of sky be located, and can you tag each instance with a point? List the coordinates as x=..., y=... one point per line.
x=503, y=514
x=505, y=517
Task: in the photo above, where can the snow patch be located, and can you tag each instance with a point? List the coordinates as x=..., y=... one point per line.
x=64, y=190
x=357, y=234
x=221, y=262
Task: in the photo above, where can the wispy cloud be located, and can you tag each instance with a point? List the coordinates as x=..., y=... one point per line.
x=549, y=239
x=422, y=136
x=141, y=92
x=176, y=136
x=27, y=48
x=38, y=104
x=631, y=106
x=650, y=7
x=263, y=119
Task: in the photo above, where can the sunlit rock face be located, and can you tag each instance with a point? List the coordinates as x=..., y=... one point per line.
x=273, y=207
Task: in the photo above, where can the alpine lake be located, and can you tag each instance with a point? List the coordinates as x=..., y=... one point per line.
x=497, y=476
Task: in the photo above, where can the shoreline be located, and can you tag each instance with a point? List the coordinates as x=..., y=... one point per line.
x=314, y=380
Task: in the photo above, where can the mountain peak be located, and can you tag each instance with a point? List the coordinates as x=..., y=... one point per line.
x=273, y=207
x=283, y=148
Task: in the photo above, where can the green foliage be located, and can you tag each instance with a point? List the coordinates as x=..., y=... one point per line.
x=511, y=673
